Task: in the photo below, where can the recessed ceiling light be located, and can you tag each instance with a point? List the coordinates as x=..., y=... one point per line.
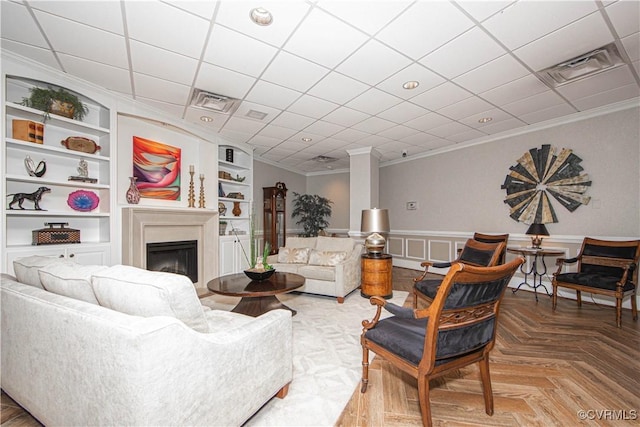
x=411, y=84
x=206, y=119
x=261, y=16
x=485, y=120
x=306, y=139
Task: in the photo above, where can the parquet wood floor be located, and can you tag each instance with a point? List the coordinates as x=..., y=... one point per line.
x=545, y=368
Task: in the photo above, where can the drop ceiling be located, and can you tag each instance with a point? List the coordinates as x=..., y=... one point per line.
x=333, y=71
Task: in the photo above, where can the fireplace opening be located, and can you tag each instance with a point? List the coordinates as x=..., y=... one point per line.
x=174, y=257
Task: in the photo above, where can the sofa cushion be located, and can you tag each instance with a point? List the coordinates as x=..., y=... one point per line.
x=288, y=268
x=293, y=255
x=26, y=268
x=301, y=242
x=73, y=281
x=318, y=272
x=327, y=258
x=335, y=244
x=146, y=293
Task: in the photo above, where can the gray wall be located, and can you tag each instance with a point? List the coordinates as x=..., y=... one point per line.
x=335, y=187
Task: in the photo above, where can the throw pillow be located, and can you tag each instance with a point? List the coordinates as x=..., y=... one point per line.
x=146, y=293
x=73, y=281
x=293, y=255
x=26, y=268
x=326, y=258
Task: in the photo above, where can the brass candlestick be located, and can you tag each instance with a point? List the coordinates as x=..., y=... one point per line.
x=201, y=199
x=192, y=196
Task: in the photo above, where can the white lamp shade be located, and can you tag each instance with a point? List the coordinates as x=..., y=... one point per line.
x=375, y=221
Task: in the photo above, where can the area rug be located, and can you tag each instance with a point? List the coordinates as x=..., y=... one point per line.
x=327, y=357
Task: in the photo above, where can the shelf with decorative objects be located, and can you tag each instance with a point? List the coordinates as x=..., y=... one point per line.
x=56, y=170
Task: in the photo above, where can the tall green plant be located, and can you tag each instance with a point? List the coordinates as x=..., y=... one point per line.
x=313, y=211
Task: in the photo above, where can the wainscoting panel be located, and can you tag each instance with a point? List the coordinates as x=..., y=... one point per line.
x=440, y=250
x=416, y=249
x=395, y=246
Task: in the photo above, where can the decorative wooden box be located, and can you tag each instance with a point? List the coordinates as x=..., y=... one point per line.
x=55, y=236
x=26, y=130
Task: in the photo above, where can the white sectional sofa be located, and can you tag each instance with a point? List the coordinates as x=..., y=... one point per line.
x=124, y=346
x=331, y=265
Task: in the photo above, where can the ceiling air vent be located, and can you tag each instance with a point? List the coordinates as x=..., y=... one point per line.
x=585, y=65
x=213, y=102
x=324, y=159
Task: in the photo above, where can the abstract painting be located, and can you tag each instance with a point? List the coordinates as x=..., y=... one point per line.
x=157, y=167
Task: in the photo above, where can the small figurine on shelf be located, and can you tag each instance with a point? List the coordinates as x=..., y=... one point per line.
x=32, y=170
x=83, y=173
x=35, y=197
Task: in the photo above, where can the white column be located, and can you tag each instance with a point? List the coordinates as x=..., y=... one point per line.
x=364, y=185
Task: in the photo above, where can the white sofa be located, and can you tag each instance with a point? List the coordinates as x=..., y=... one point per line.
x=331, y=265
x=70, y=360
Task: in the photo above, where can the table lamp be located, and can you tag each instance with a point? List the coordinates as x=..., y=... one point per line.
x=376, y=222
x=537, y=230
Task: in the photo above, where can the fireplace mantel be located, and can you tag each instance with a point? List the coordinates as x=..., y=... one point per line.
x=142, y=225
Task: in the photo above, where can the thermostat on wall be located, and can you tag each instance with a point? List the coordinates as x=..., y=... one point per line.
x=412, y=206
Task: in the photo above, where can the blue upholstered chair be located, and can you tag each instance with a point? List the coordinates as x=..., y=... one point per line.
x=457, y=329
x=476, y=253
x=604, y=267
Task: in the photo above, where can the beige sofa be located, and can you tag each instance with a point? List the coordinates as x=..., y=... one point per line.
x=124, y=346
x=330, y=265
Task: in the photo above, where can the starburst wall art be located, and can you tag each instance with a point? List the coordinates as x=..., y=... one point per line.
x=540, y=173
x=157, y=167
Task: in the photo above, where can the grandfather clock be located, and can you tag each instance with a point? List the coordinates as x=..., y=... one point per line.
x=275, y=202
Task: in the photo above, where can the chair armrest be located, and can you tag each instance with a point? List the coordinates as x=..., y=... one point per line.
x=560, y=262
x=427, y=264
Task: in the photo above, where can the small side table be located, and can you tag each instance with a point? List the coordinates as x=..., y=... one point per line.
x=376, y=276
x=534, y=270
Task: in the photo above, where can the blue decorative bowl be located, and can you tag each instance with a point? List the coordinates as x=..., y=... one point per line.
x=259, y=275
x=83, y=200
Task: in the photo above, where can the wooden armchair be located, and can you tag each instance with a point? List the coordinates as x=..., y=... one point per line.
x=605, y=268
x=494, y=238
x=456, y=330
x=474, y=253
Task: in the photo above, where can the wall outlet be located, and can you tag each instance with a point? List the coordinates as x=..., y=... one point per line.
x=412, y=206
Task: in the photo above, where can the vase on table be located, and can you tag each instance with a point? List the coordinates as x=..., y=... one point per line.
x=133, y=194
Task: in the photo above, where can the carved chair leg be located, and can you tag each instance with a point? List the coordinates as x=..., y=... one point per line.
x=485, y=376
x=415, y=298
x=554, y=298
x=634, y=307
x=619, y=312
x=282, y=393
x=365, y=369
x=425, y=404
x=579, y=298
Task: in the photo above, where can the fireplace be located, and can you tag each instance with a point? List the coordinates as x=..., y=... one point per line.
x=174, y=257
x=149, y=225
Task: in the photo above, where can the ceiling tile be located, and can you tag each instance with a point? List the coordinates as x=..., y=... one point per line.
x=540, y=101
x=524, y=21
x=463, y=53
x=398, y=132
x=187, y=35
x=296, y=73
x=293, y=121
x=278, y=132
x=272, y=95
x=624, y=16
x=172, y=109
x=203, y=9
x=111, y=78
x=573, y=40
x=332, y=40
x=495, y=114
x=373, y=101
x=345, y=116
x=428, y=121
x=374, y=125
x=311, y=106
x=632, y=46
x=481, y=10
x=548, y=113
x=449, y=129
x=367, y=19
x=193, y=115
x=465, y=108
x=614, y=95
x=246, y=107
x=401, y=113
x=423, y=27
x=606, y=80
x=466, y=136
x=286, y=17
x=338, y=88
x=518, y=89
x=419, y=139
x=350, y=135
x=388, y=62
x=156, y=62
x=260, y=140
x=246, y=126
x=38, y=54
x=497, y=72
x=83, y=44
x=415, y=72
x=223, y=82
x=228, y=49
x=323, y=128
x=160, y=90
x=441, y=96
x=105, y=15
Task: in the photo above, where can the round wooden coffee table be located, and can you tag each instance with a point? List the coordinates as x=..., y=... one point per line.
x=257, y=297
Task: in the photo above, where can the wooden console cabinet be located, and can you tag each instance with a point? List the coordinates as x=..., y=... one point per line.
x=376, y=276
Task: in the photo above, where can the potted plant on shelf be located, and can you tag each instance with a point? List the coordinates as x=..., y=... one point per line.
x=313, y=211
x=57, y=101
